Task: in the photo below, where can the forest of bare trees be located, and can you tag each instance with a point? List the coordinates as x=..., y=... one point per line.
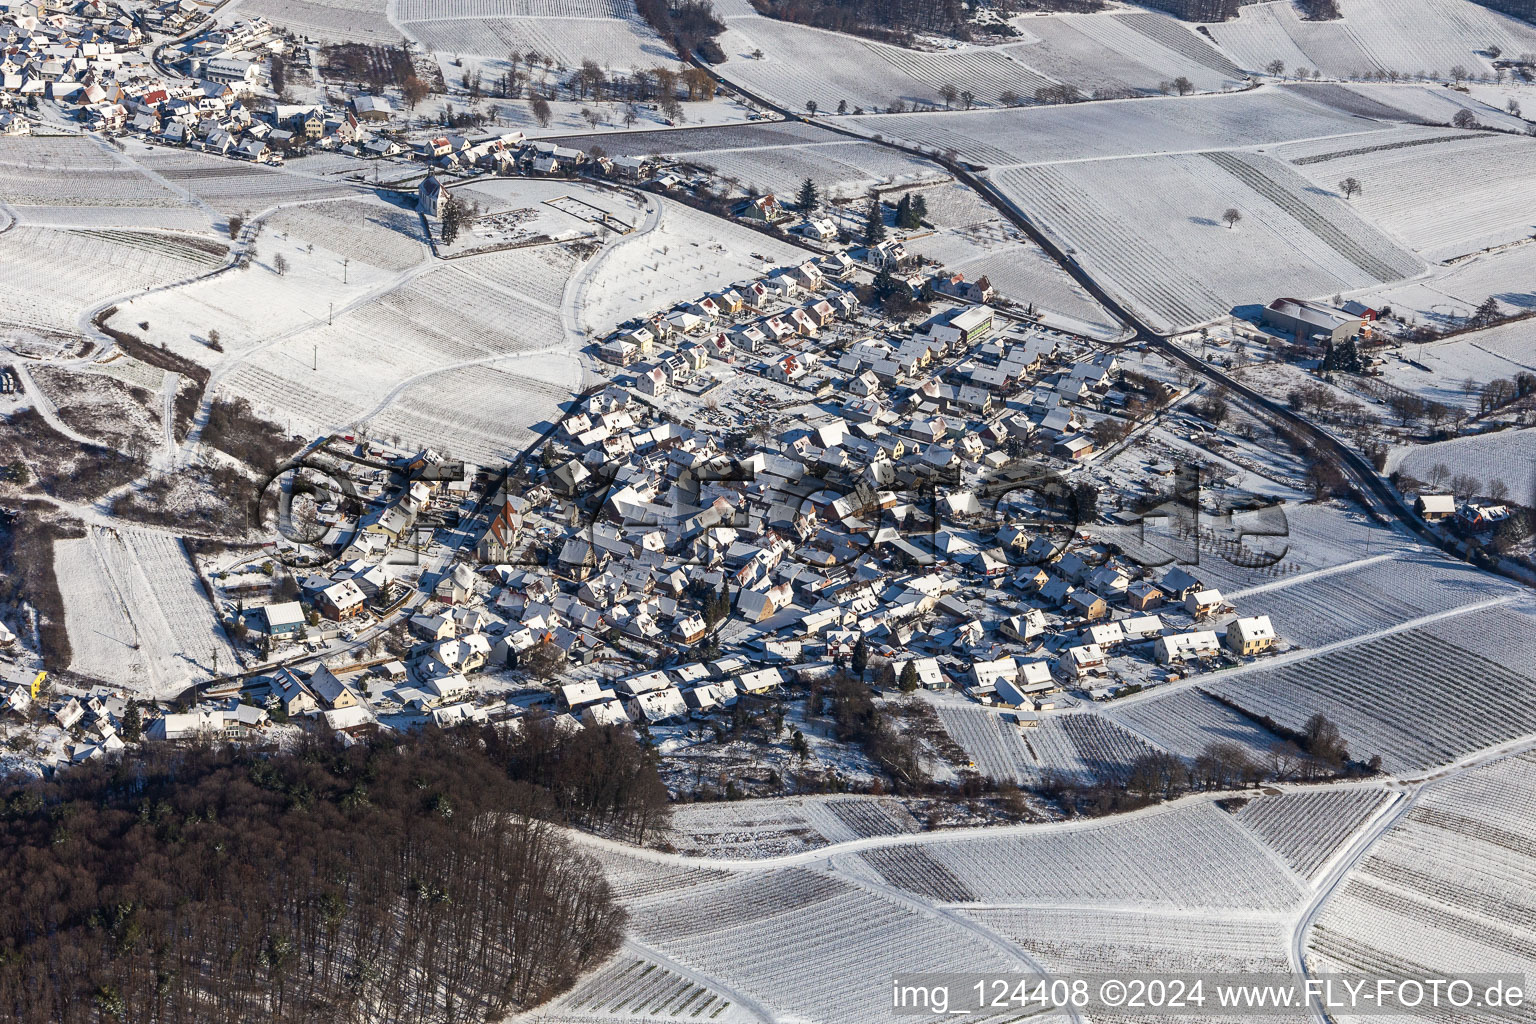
x=419, y=879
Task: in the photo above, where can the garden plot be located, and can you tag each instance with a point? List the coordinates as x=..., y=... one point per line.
x=1447, y=889
x=1329, y=607
x=1307, y=827
x=1085, y=131
x=808, y=945
x=1081, y=940
x=770, y=828
x=48, y=277
x=1490, y=177
x=686, y=254
x=136, y=612
x=515, y=211
x=801, y=64
x=1419, y=697
x=1413, y=37
x=1186, y=856
x=1290, y=241
x=1185, y=722
x=331, y=21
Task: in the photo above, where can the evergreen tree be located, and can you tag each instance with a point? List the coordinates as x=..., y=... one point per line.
x=133, y=723
x=808, y=196
x=861, y=657
x=909, y=677
x=919, y=206
x=874, y=223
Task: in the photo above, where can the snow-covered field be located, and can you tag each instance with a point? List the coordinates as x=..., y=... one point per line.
x=1113, y=52
x=230, y=186
x=1490, y=177
x=1082, y=940
x=1291, y=241
x=1418, y=697
x=1002, y=138
x=1438, y=372
x=1447, y=890
x=1507, y=455
x=770, y=828
x=47, y=277
x=685, y=254
x=609, y=32
x=1332, y=606
x=1188, y=721
x=1184, y=856
x=1308, y=826
x=136, y=613
x=1412, y=37
x=330, y=21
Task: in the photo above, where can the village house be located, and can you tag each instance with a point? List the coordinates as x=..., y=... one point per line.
x=1251, y=635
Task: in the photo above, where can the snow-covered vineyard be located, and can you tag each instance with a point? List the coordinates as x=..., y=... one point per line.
x=904, y=488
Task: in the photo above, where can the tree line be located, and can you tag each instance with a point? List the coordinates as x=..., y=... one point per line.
x=405, y=880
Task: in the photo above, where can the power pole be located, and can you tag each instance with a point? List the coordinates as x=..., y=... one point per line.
x=344, y=263
x=330, y=309
x=314, y=362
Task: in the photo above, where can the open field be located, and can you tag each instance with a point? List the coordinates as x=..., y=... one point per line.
x=609, y=32
x=230, y=186
x=136, y=613
x=47, y=277
x=1307, y=827
x=1419, y=697
x=1507, y=455
x=1291, y=241
x=1447, y=889
x=771, y=828
x=1002, y=138
x=76, y=170
x=1186, y=721
x=1186, y=856
x=1120, y=52
x=801, y=64
x=364, y=231
x=1412, y=37
x=1104, y=53
x=1490, y=176
x=686, y=254
x=1081, y=940
x=1312, y=611
x=1438, y=371
x=330, y=21
x=809, y=944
